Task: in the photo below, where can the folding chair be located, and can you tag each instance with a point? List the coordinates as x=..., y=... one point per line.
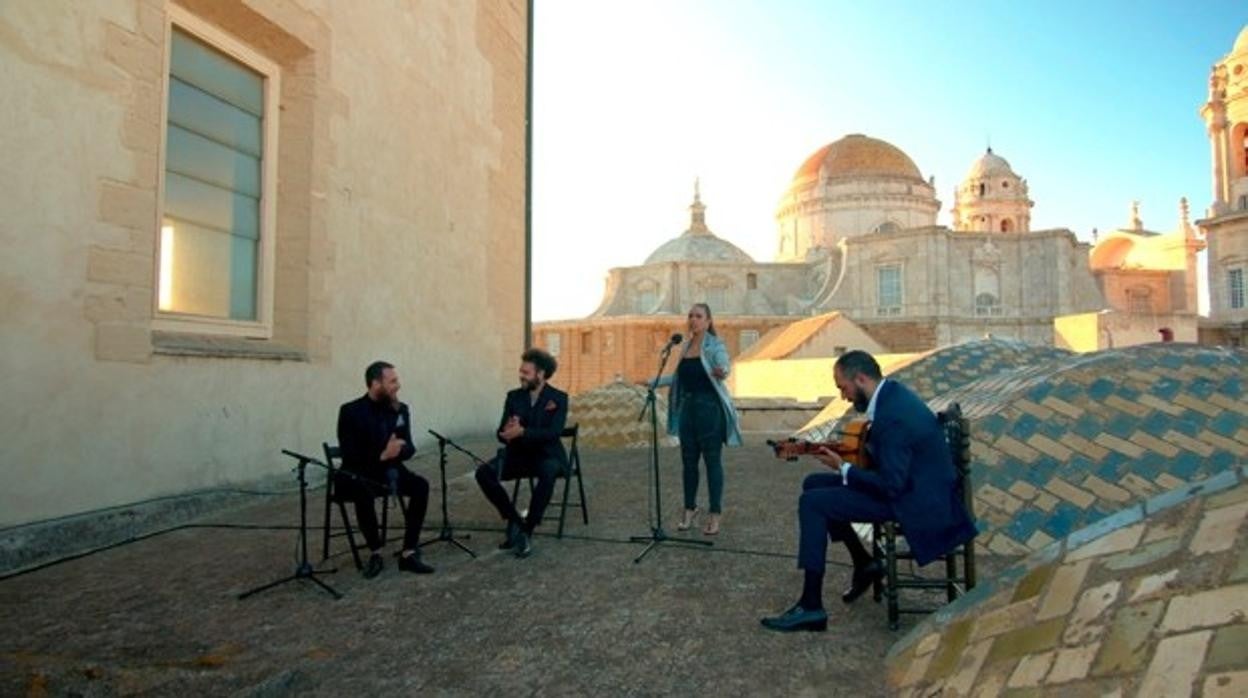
x=573, y=470
x=333, y=458
x=958, y=436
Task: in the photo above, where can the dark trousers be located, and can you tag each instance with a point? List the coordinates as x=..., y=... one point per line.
x=546, y=471
x=825, y=511
x=702, y=433
x=412, y=486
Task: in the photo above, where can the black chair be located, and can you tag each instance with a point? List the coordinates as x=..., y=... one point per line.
x=958, y=436
x=573, y=470
x=333, y=457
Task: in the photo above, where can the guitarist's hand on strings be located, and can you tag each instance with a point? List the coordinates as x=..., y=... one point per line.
x=830, y=458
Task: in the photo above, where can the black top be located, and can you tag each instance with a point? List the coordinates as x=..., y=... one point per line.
x=364, y=428
x=692, y=376
x=543, y=420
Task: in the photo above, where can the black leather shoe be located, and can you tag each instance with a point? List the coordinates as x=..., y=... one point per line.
x=374, y=566
x=509, y=540
x=864, y=578
x=798, y=618
x=413, y=563
x=524, y=544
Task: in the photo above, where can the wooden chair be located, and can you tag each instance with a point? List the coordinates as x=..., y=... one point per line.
x=885, y=535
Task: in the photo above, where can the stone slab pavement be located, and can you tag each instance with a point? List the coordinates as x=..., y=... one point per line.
x=159, y=616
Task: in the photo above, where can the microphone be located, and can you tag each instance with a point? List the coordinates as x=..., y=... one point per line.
x=667, y=348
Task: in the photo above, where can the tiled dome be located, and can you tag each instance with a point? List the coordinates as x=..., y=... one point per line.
x=857, y=155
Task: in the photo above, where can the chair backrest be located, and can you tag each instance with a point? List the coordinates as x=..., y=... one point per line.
x=333, y=458
x=332, y=454
x=958, y=435
x=574, y=455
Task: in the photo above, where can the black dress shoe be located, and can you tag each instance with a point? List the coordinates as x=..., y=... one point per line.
x=509, y=540
x=413, y=563
x=374, y=566
x=864, y=578
x=524, y=543
x=798, y=618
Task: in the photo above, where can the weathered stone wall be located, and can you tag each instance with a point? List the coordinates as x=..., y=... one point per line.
x=399, y=235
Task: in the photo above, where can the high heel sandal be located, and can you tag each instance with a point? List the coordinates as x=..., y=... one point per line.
x=686, y=519
x=712, y=525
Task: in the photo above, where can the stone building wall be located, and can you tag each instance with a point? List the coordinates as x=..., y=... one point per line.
x=399, y=218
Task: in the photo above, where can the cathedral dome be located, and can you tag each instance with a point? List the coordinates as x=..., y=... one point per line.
x=1241, y=42
x=698, y=243
x=990, y=165
x=857, y=155
x=693, y=247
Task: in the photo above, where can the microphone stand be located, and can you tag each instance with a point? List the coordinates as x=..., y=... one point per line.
x=303, y=570
x=447, y=534
x=657, y=534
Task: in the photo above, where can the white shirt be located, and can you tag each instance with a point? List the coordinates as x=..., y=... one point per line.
x=870, y=418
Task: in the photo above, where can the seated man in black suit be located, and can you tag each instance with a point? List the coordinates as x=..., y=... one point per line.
x=375, y=435
x=533, y=418
x=913, y=481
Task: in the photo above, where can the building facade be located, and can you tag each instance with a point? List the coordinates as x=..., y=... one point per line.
x=857, y=236
x=220, y=211
x=1226, y=222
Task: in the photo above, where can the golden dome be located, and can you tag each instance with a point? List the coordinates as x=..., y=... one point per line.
x=857, y=155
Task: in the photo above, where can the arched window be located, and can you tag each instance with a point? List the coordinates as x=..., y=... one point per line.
x=645, y=297
x=986, y=281
x=982, y=188
x=1007, y=226
x=886, y=227
x=987, y=304
x=1140, y=300
x=751, y=281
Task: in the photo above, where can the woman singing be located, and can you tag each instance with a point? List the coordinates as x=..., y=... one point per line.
x=700, y=412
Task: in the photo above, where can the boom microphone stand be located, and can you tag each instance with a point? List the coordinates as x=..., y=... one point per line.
x=447, y=534
x=657, y=534
x=304, y=569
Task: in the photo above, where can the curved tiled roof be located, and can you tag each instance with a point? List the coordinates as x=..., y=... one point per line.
x=933, y=373
x=857, y=155
x=1059, y=441
x=608, y=417
x=1150, y=602
x=695, y=246
x=1062, y=444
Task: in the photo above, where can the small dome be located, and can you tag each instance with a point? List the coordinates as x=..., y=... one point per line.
x=990, y=165
x=698, y=243
x=698, y=247
x=857, y=155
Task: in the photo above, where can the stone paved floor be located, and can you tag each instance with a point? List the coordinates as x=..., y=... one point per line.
x=160, y=617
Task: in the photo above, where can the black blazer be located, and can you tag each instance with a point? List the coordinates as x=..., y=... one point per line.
x=364, y=428
x=543, y=422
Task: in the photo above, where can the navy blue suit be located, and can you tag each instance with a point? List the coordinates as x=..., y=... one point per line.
x=913, y=482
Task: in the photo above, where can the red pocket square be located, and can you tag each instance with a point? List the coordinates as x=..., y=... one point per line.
x=551, y=406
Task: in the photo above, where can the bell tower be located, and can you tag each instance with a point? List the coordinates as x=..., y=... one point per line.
x=1226, y=223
